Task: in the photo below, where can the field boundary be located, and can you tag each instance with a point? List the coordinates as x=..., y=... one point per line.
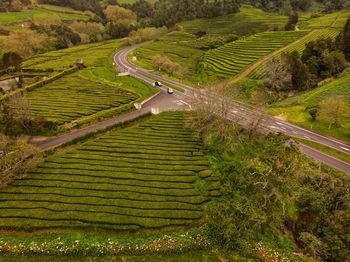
x=41, y=83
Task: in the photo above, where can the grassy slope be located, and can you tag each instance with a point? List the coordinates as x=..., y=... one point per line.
x=294, y=109
x=152, y=175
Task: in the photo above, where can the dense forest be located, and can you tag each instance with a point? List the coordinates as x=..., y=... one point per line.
x=13, y=5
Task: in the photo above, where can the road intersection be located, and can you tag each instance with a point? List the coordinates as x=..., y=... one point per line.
x=245, y=113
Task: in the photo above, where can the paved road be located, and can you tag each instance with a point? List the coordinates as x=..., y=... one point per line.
x=161, y=102
x=245, y=114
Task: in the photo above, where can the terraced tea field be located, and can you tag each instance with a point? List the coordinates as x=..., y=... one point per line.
x=88, y=95
x=72, y=97
x=96, y=54
x=335, y=20
x=248, y=21
x=233, y=58
x=149, y=176
x=260, y=71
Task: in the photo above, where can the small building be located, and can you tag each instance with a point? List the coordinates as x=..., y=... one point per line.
x=80, y=64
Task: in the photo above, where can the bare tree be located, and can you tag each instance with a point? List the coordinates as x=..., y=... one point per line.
x=278, y=75
x=16, y=112
x=16, y=159
x=213, y=109
x=220, y=101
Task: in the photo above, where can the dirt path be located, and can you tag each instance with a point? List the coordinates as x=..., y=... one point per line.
x=267, y=58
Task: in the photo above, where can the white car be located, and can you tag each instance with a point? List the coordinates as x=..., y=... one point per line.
x=157, y=83
x=170, y=91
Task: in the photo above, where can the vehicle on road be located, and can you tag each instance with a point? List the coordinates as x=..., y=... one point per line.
x=157, y=83
x=170, y=91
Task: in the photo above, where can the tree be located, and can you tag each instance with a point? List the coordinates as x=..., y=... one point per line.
x=143, y=34
x=278, y=76
x=26, y=42
x=313, y=112
x=12, y=59
x=18, y=159
x=120, y=15
x=88, y=31
x=299, y=72
x=15, y=114
x=164, y=63
x=335, y=110
x=346, y=39
x=292, y=21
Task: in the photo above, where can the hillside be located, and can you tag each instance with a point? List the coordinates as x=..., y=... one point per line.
x=165, y=130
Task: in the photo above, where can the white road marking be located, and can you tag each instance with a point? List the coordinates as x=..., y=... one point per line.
x=345, y=148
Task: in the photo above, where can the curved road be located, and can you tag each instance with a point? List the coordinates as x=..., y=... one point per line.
x=244, y=114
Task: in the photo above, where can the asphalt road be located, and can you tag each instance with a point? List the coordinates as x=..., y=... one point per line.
x=161, y=102
x=244, y=114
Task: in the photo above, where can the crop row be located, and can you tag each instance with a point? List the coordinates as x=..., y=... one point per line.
x=116, y=183
x=72, y=97
x=234, y=57
x=260, y=71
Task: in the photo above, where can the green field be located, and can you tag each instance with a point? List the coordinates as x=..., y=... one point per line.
x=248, y=21
x=14, y=19
x=233, y=58
x=94, y=55
x=294, y=109
x=149, y=176
x=72, y=97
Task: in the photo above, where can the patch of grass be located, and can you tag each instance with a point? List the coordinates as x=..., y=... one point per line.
x=297, y=114
x=123, y=180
